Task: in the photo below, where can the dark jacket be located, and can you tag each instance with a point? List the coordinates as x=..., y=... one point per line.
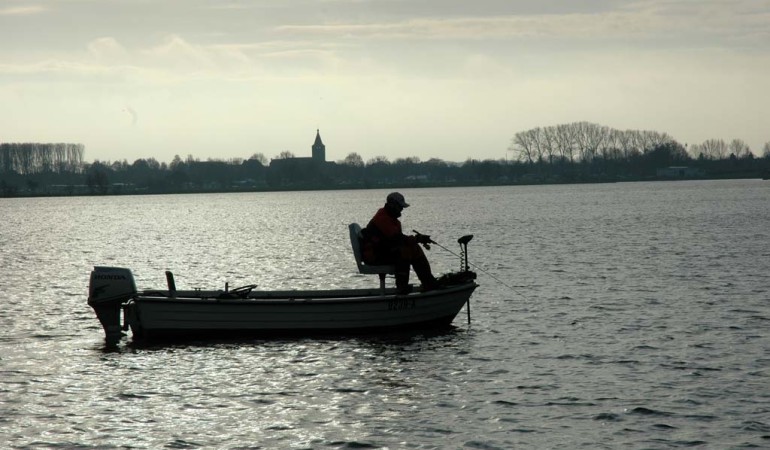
x=382, y=237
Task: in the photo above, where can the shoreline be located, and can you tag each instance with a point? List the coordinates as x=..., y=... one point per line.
x=122, y=191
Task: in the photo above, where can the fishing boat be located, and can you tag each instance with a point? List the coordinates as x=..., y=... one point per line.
x=158, y=313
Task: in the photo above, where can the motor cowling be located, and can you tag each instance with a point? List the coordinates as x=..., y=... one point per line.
x=108, y=289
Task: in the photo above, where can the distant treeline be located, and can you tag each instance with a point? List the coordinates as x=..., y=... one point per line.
x=585, y=142
x=31, y=158
x=570, y=153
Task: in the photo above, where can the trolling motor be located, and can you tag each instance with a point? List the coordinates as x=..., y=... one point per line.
x=465, y=268
x=463, y=241
x=465, y=275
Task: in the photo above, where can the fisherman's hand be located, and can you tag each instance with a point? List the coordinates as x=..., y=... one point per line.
x=423, y=239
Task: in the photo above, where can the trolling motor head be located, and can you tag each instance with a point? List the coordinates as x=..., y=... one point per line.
x=465, y=239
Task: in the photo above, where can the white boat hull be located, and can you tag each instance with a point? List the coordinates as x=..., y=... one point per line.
x=295, y=312
x=156, y=313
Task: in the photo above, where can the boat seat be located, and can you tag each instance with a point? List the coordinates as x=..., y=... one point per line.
x=355, y=242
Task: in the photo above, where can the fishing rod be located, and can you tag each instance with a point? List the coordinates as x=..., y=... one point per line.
x=465, y=258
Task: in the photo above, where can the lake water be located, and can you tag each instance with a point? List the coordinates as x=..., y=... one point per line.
x=609, y=316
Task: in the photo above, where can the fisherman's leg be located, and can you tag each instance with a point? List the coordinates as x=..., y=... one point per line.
x=423, y=271
x=402, y=277
x=395, y=256
x=421, y=266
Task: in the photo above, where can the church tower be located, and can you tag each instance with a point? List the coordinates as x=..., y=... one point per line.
x=319, y=149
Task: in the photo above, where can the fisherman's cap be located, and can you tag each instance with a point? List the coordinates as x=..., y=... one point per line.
x=397, y=199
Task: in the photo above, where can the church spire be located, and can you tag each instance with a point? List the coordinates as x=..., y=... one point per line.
x=319, y=149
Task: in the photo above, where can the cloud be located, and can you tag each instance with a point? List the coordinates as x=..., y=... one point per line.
x=707, y=17
x=107, y=49
x=133, y=114
x=747, y=20
x=22, y=10
x=177, y=54
x=51, y=67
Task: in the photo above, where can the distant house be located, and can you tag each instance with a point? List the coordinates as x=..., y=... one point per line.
x=674, y=172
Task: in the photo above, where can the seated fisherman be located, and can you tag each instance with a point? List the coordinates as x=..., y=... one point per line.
x=385, y=243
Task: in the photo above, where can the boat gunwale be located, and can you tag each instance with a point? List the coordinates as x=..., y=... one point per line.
x=296, y=296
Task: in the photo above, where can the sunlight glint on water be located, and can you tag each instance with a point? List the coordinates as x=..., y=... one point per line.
x=638, y=318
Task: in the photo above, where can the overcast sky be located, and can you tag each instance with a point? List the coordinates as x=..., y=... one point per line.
x=449, y=79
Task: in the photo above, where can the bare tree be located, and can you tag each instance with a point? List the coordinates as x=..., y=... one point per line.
x=650, y=140
x=524, y=143
x=624, y=141
x=176, y=163
x=600, y=139
x=695, y=151
x=353, y=159
x=31, y=158
x=548, y=143
x=259, y=157
x=536, y=136
x=590, y=138
x=409, y=160
x=714, y=149
x=739, y=148
x=378, y=160
x=565, y=138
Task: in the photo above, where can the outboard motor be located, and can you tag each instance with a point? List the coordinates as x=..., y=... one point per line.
x=108, y=289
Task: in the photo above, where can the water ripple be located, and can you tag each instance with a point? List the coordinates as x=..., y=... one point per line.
x=636, y=321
